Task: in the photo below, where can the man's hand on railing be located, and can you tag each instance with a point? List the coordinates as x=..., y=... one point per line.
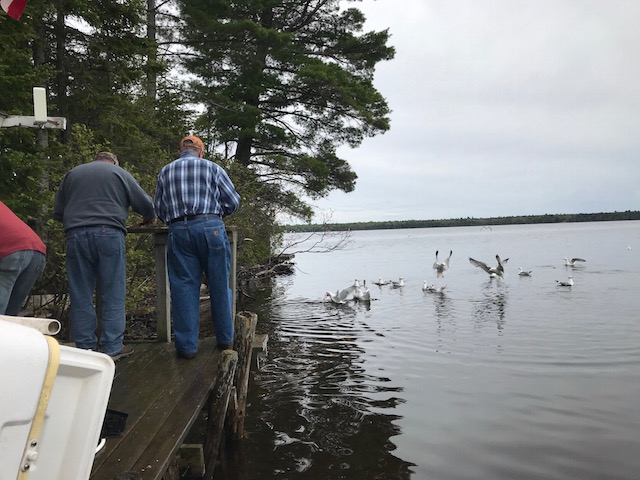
x=147, y=221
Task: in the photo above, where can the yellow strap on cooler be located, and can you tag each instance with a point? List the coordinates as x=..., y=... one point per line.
x=31, y=448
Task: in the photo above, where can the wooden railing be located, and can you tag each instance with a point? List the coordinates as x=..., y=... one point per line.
x=163, y=302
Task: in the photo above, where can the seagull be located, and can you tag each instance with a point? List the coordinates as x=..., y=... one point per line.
x=431, y=288
x=353, y=288
x=427, y=288
x=381, y=282
x=399, y=283
x=524, y=273
x=441, y=267
x=338, y=297
x=362, y=294
x=573, y=261
x=341, y=296
x=568, y=283
x=497, y=271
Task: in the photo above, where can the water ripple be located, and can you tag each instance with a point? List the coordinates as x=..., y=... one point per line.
x=502, y=380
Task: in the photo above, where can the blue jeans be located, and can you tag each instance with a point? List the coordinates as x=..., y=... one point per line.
x=197, y=246
x=97, y=253
x=18, y=272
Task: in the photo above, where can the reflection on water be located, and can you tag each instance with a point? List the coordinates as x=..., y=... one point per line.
x=492, y=379
x=443, y=307
x=313, y=405
x=492, y=306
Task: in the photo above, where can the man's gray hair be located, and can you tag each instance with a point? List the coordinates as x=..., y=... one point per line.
x=107, y=156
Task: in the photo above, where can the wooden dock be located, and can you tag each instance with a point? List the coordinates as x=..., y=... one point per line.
x=163, y=397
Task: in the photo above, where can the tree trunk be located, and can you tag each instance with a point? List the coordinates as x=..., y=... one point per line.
x=152, y=87
x=61, y=65
x=243, y=150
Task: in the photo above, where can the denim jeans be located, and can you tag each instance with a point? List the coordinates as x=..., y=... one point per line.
x=97, y=253
x=197, y=246
x=18, y=272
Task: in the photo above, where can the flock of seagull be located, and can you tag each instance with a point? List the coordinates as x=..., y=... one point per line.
x=362, y=294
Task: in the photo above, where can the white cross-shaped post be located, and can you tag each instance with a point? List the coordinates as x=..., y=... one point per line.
x=39, y=118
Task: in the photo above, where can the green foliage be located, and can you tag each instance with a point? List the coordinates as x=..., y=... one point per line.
x=19, y=182
x=141, y=285
x=468, y=222
x=284, y=84
x=255, y=218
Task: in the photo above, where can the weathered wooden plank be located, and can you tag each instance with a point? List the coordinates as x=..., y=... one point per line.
x=149, y=395
x=134, y=386
x=164, y=396
x=260, y=341
x=173, y=471
x=162, y=447
x=218, y=410
x=245, y=328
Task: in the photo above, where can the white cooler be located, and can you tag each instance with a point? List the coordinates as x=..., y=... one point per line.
x=50, y=420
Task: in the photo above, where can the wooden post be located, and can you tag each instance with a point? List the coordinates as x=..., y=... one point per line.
x=218, y=409
x=245, y=329
x=163, y=302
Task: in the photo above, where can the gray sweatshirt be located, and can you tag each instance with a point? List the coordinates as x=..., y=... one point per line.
x=99, y=193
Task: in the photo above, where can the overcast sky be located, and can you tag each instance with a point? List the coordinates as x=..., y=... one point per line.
x=501, y=107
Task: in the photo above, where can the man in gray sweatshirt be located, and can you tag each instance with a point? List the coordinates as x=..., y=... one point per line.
x=93, y=203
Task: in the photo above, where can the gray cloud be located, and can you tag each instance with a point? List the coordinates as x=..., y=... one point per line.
x=501, y=107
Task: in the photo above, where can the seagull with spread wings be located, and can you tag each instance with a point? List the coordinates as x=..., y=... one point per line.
x=572, y=262
x=441, y=267
x=341, y=296
x=497, y=271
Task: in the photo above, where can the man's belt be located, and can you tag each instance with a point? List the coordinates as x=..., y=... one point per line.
x=194, y=217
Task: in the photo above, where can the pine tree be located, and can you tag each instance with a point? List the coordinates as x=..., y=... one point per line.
x=284, y=84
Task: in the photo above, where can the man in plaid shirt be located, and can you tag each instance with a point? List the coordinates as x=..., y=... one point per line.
x=192, y=195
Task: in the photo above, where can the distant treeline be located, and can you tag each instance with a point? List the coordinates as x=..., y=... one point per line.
x=468, y=222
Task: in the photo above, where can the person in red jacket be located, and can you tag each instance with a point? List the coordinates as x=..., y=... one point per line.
x=22, y=260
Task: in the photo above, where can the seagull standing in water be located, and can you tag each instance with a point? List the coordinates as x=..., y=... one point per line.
x=568, y=283
x=381, y=282
x=427, y=288
x=572, y=262
x=524, y=273
x=399, y=283
x=441, y=267
x=497, y=271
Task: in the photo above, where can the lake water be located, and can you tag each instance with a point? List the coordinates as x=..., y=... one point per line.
x=513, y=379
